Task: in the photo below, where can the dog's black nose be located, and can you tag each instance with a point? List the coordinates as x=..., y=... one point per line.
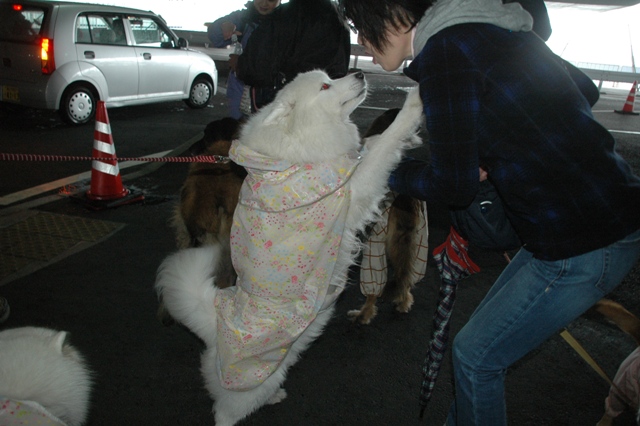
x=359, y=75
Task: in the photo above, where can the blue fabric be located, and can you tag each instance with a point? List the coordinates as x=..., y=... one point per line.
x=235, y=87
x=532, y=300
x=242, y=19
x=214, y=31
x=504, y=101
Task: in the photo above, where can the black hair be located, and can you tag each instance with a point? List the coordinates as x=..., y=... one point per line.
x=371, y=17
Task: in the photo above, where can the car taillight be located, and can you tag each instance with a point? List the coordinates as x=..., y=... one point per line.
x=46, y=55
x=17, y=7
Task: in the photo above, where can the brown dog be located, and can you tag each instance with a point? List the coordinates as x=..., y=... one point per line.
x=399, y=239
x=208, y=199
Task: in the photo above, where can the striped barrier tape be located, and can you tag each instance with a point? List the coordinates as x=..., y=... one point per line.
x=37, y=157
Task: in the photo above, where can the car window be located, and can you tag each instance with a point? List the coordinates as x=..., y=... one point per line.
x=100, y=28
x=20, y=22
x=149, y=32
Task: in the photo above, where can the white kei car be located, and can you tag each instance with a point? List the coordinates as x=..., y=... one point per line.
x=66, y=56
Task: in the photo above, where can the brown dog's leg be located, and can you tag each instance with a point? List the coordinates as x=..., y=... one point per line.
x=401, y=249
x=225, y=273
x=365, y=314
x=620, y=316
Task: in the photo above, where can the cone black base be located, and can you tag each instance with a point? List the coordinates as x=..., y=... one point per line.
x=132, y=197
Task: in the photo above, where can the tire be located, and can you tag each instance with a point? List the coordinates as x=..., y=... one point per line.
x=78, y=105
x=200, y=94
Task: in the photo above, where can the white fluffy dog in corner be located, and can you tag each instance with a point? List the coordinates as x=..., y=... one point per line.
x=310, y=188
x=43, y=379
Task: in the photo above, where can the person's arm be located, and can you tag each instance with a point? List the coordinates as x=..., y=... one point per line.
x=215, y=29
x=450, y=89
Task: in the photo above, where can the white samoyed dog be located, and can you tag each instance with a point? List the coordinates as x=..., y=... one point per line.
x=311, y=186
x=42, y=376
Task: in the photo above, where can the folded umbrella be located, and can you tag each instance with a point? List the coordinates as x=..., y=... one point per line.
x=454, y=264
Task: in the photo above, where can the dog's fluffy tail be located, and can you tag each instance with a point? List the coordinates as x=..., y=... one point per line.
x=185, y=283
x=624, y=319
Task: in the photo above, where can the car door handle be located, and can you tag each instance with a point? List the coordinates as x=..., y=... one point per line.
x=89, y=54
x=146, y=56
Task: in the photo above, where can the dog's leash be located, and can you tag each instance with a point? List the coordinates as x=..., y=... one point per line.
x=568, y=337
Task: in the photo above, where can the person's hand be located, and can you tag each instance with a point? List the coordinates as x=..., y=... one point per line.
x=228, y=29
x=483, y=174
x=233, y=62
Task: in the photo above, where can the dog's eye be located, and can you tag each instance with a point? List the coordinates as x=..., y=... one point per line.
x=325, y=86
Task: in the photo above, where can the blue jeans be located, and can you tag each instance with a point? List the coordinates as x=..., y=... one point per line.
x=530, y=301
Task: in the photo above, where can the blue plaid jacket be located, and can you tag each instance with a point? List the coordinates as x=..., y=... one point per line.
x=502, y=100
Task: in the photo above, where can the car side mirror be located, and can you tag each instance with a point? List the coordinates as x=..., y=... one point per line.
x=183, y=43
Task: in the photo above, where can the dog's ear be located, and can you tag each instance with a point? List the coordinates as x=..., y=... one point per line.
x=279, y=111
x=58, y=341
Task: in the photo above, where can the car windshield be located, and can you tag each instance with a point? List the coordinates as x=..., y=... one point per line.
x=20, y=22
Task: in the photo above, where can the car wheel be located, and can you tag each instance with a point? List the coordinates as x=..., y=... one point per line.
x=200, y=93
x=78, y=105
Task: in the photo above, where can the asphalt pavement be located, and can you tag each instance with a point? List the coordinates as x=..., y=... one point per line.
x=100, y=289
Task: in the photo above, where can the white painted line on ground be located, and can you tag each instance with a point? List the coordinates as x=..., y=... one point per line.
x=625, y=132
x=372, y=107
x=49, y=186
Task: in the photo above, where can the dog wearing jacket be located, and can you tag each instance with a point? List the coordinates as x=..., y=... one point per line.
x=43, y=379
x=310, y=188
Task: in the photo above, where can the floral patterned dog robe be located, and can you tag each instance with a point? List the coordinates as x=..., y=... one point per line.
x=285, y=241
x=14, y=413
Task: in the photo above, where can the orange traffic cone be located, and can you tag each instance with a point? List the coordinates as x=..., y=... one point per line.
x=628, y=105
x=106, y=183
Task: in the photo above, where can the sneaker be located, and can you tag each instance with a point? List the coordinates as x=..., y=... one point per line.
x=4, y=309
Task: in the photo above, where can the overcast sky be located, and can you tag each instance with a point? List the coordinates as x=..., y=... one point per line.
x=592, y=34
x=580, y=33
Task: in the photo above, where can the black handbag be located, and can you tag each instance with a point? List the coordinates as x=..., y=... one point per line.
x=484, y=223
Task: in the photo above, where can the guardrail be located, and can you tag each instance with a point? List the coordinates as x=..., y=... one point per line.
x=597, y=72
x=609, y=75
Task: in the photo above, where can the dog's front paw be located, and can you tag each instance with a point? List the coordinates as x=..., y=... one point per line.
x=368, y=311
x=413, y=141
x=410, y=118
x=357, y=315
x=413, y=98
x=412, y=107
